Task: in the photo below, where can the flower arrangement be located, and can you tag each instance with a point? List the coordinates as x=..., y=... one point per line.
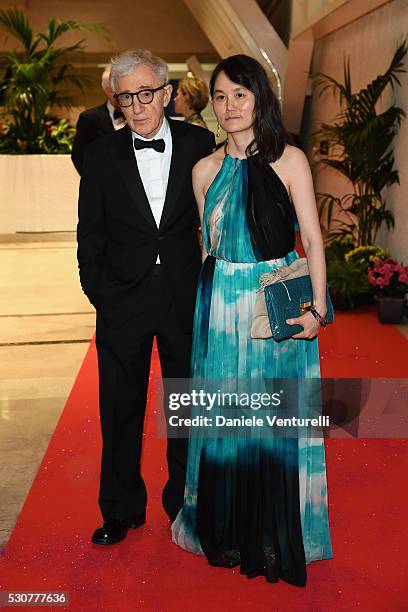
x=363, y=256
x=388, y=278
x=347, y=268
x=55, y=136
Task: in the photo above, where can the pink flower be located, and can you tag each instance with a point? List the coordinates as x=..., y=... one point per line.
x=388, y=276
x=386, y=268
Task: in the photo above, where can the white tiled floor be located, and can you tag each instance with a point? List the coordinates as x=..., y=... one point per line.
x=46, y=324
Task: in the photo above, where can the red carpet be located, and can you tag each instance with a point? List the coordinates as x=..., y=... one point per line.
x=50, y=549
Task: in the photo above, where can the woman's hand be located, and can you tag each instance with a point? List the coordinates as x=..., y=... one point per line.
x=310, y=326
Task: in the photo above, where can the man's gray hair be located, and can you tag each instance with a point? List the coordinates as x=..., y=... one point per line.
x=125, y=63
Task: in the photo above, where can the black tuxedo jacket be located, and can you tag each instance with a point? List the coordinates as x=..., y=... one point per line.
x=93, y=123
x=118, y=239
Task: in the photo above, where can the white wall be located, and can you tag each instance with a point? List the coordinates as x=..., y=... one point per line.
x=38, y=193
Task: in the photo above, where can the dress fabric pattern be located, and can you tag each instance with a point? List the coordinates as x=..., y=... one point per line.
x=260, y=503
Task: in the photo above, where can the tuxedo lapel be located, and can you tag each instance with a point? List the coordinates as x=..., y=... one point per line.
x=123, y=154
x=177, y=169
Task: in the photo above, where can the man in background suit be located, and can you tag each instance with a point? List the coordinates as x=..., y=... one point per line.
x=96, y=122
x=139, y=262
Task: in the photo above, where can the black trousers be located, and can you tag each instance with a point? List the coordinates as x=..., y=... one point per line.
x=124, y=353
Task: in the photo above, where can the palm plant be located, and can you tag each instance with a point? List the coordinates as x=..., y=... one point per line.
x=36, y=78
x=360, y=143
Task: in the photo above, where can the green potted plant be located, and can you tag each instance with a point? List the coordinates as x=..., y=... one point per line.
x=346, y=283
x=347, y=269
x=389, y=281
x=36, y=76
x=360, y=148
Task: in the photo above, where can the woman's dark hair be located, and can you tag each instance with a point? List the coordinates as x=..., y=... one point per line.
x=270, y=135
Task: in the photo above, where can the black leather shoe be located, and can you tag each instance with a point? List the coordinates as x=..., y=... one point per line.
x=115, y=530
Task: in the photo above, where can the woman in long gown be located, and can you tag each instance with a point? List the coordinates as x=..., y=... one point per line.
x=252, y=501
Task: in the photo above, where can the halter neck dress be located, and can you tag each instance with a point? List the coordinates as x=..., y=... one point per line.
x=257, y=503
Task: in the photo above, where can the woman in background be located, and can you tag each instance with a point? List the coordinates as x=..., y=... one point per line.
x=253, y=501
x=192, y=98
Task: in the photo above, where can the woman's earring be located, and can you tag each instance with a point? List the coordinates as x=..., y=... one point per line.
x=218, y=132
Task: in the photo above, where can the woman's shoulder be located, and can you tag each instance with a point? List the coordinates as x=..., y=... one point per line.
x=211, y=161
x=292, y=162
x=207, y=167
x=292, y=156
x=287, y=165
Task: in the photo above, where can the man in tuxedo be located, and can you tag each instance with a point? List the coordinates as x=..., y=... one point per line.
x=139, y=261
x=94, y=123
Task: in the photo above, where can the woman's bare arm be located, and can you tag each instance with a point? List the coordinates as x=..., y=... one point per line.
x=304, y=201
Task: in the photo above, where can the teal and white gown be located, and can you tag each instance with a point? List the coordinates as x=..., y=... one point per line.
x=258, y=503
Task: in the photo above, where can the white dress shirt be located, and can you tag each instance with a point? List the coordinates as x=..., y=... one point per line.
x=154, y=170
x=117, y=123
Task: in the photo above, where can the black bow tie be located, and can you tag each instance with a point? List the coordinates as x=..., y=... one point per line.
x=118, y=114
x=158, y=145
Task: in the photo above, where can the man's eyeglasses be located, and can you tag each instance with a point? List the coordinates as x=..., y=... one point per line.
x=145, y=96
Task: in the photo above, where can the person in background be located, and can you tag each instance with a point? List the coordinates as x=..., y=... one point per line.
x=192, y=97
x=96, y=122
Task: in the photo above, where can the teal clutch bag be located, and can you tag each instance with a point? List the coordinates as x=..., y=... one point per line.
x=284, y=293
